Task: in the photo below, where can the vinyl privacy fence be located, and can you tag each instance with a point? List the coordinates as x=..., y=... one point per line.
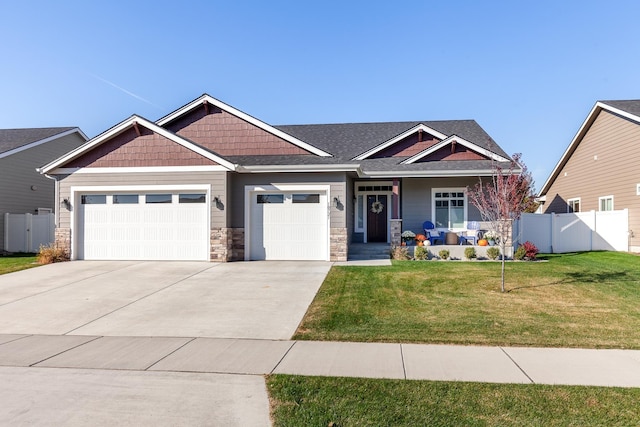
x=572, y=232
x=26, y=232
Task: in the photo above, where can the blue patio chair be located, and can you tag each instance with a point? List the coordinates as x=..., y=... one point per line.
x=432, y=234
x=473, y=227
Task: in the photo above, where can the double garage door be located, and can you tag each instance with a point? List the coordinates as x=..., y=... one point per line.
x=283, y=225
x=139, y=226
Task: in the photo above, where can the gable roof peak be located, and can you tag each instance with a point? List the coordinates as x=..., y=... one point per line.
x=205, y=98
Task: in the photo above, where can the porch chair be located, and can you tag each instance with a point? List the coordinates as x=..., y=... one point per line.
x=431, y=233
x=474, y=228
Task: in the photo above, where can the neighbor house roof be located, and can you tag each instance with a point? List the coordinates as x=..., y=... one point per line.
x=16, y=139
x=629, y=109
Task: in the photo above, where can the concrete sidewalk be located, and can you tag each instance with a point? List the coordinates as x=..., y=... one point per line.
x=611, y=368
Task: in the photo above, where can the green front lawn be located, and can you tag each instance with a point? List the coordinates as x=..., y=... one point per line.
x=320, y=401
x=16, y=262
x=589, y=300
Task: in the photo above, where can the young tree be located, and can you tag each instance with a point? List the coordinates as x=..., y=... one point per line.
x=507, y=195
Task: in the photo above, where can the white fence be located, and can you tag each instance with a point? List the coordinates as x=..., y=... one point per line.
x=572, y=232
x=26, y=232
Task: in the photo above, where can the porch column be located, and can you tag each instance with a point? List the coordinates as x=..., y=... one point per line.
x=395, y=199
x=396, y=221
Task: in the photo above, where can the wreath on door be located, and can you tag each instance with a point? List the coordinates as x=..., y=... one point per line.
x=377, y=207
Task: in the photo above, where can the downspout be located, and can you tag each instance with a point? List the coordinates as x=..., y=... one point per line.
x=56, y=201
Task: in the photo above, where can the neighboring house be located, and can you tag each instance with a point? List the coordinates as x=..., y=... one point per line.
x=22, y=188
x=600, y=170
x=209, y=182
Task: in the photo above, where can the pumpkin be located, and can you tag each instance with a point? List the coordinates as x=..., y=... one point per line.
x=483, y=242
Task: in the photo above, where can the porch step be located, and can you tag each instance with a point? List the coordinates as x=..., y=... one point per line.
x=366, y=251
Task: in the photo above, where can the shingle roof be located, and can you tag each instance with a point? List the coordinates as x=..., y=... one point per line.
x=630, y=106
x=14, y=138
x=347, y=140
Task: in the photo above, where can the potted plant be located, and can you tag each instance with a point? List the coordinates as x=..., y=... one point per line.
x=407, y=236
x=491, y=237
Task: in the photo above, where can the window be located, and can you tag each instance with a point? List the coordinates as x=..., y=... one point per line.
x=637, y=189
x=192, y=198
x=158, y=198
x=270, y=198
x=94, y=199
x=606, y=203
x=573, y=205
x=125, y=199
x=305, y=198
x=450, y=208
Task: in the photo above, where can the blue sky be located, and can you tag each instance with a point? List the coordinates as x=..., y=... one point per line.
x=528, y=72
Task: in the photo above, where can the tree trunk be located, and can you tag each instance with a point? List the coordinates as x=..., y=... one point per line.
x=503, y=247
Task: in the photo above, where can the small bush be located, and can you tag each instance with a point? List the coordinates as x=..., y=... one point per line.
x=51, y=253
x=420, y=253
x=531, y=251
x=399, y=253
x=493, y=252
x=470, y=252
x=444, y=254
x=526, y=251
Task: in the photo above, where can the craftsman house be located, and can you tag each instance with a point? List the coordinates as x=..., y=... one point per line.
x=210, y=182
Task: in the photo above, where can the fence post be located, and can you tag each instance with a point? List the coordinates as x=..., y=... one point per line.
x=6, y=231
x=28, y=220
x=553, y=232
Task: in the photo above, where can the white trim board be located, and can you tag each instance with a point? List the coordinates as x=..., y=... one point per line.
x=450, y=140
x=244, y=116
x=126, y=124
x=400, y=137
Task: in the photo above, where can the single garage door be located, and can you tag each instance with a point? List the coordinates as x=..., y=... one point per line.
x=156, y=226
x=289, y=226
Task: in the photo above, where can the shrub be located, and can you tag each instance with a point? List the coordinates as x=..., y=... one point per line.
x=399, y=253
x=493, y=252
x=52, y=253
x=444, y=254
x=420, y=253
x=526, y=251
x=530, y=250
x=470, y=252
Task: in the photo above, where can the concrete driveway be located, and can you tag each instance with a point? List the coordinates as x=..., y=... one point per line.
x=265, y=300
x=86, y=314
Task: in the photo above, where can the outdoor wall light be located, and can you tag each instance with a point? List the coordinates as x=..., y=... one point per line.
x=218, y=202
x=67, y=204
x=337, y=203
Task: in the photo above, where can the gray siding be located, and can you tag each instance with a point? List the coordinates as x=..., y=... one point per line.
x=337, y=182
x=415, y=199
x=616, y=143
x=217, y=180
x=18, y=174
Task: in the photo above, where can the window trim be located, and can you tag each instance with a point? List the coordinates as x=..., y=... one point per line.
x=462, y=190
x=601, y=199
x=574, y=199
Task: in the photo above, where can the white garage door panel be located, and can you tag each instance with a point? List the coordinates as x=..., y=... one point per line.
x=143, y=231
x=289, y=231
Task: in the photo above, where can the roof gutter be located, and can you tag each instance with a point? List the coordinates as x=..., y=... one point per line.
x=430, y=174
x=300, y=168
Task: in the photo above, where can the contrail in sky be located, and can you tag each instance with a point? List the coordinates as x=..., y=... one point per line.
x=138, y=97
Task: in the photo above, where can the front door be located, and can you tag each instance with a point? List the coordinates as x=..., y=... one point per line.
x=377, y=218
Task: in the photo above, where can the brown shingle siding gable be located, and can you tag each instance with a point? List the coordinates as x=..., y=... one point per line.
x=228, y=135
x=130, y=150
